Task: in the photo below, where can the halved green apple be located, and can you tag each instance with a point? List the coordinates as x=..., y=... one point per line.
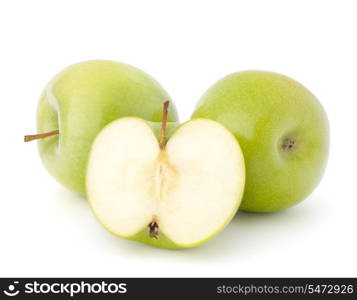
x=172, y=192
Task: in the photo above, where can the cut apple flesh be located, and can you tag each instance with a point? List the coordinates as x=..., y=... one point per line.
x=187, y=191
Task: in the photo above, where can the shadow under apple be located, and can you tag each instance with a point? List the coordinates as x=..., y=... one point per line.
x=248, y=234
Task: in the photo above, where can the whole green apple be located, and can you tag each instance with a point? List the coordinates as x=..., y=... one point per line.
x=80, y=101
x=282, y=129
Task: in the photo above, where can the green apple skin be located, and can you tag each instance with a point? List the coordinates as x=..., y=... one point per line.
x=265, y=111
x=80, y=101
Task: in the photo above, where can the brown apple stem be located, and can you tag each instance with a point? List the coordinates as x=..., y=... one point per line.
x=29, y=138
x=165, y=111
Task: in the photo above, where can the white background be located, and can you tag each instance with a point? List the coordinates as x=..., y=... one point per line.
x=186, y=45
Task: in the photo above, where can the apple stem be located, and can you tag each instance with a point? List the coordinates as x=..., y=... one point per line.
x=29, y=138
x=164, y=124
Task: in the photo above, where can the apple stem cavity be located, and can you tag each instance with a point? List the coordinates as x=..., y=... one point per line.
x=29, y=138
x=288, y=144
x=165, y=111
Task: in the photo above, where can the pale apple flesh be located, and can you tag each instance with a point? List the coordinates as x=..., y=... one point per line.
x=174, y=197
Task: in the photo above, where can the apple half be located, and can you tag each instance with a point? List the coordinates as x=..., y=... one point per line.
x=171, y=193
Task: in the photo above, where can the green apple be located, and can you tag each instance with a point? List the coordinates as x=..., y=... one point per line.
x=79, y=102
x=283, y=131
x=170, y=193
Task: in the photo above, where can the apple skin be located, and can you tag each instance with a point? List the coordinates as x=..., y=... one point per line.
x=80, y=101
x=264, y=110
